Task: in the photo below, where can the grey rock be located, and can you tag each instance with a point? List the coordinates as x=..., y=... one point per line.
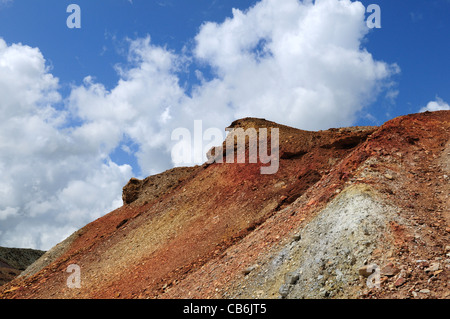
x=435, y=266
x=333, y=245
x=291, y=278
x=284, y=290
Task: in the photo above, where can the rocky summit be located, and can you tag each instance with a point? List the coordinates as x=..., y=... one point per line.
x=359, y=212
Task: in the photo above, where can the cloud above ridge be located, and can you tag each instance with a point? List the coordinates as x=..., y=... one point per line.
x=438, y=105
x=296, y=63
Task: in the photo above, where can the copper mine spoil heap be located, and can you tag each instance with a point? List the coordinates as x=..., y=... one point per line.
x=342, y=200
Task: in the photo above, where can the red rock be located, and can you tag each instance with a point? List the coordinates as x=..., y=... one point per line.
x=399, y=282
x=389, y=270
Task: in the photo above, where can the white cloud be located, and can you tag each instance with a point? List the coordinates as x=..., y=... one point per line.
x=50, y=174
x=7, y=212
x=296, y=63
x=139, y=107
x=438, y=105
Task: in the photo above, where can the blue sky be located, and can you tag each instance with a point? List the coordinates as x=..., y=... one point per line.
x=100, y=43
x=83, y=110
x=413, y=34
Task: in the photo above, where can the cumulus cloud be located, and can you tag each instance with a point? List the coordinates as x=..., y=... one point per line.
x=140, y=107
x=438, y=105
x=297, y=63
x=51, y=174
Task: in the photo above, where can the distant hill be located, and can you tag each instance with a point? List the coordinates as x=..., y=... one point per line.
x=15, y=260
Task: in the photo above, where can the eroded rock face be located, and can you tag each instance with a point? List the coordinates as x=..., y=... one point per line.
x=333, y=246
x=153, y=187
x=131, y=191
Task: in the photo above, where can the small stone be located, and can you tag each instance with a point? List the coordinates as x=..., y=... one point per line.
x=425, y=291
x=435, y=266
x=423, y=263
x=248, y=270
x=400, y=281
x=291, y=278
x=297, y=237
x=389, y=270
x=284, y=290
x=388, y=176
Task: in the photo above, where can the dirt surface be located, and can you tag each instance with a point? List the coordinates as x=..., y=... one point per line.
x=342, y=199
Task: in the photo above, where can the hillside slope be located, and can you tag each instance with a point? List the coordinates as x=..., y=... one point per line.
x=342, y=200
x=15, y=260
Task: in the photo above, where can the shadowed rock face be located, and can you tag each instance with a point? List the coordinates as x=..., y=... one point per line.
x=14, y=260
x=341, y=200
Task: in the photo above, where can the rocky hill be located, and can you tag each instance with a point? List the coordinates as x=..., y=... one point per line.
x=14, y=260
x=358, y=212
